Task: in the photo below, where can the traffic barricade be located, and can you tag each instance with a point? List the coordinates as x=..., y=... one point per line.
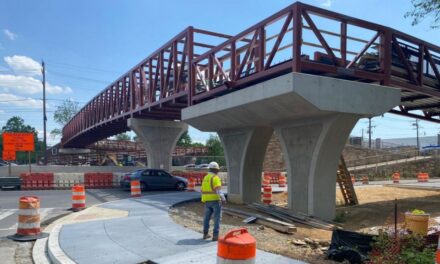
x=282, y=181
x=365, y=180
x=422, y=177
x=267, y=195
x=135, y=188
x=396, y=177
x=191, y=185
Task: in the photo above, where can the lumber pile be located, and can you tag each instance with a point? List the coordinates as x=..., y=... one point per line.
x=290, y=217
x=281, y=226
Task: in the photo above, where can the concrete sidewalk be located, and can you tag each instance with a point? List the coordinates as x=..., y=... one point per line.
x=143, y=231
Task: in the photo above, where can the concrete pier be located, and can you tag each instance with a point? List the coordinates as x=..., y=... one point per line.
x=312, y=116
x=159, y=139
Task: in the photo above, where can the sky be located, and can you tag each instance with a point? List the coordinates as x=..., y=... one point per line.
x=87, y=44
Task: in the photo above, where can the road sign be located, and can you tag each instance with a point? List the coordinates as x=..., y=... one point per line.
x=9, y=155
x=18, y=141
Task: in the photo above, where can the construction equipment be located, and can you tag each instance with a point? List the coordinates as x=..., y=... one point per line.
x=343, y=178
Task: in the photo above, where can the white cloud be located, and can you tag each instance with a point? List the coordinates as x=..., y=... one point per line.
x=14, y=100
x=29, y=85
x=11, y=35
x=327, y=3
x=23, y=65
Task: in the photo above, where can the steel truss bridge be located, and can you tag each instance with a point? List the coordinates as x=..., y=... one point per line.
x=198, y=65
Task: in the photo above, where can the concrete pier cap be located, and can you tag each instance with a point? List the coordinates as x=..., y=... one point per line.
x=311, y=115
x=159, y=138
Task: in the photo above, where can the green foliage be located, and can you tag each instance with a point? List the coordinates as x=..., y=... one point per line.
x=214, y=145
x=197, y=144
x=123, y=137
x=404, y=249
x=423, y=9
x=341, y=217
x=63, y=114
x=184, y=140
x=16, y=124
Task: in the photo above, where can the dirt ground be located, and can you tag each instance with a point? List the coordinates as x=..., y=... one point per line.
x=375, y=210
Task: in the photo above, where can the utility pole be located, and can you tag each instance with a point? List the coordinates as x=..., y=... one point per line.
x=362, y=140
x=43, y=71
x=369, y=132
x=416, y=124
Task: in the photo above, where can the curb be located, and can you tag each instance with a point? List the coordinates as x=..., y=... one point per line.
x=48, y=250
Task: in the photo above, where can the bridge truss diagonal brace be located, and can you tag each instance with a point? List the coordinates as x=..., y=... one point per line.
x=244, y=151
x=311, y=150
x=159, y=138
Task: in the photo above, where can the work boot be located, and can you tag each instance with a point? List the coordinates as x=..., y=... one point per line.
x=206, y=236
x=214, y=237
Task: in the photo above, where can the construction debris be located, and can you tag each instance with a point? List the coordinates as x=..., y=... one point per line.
x=275, y=224
x=290, y=217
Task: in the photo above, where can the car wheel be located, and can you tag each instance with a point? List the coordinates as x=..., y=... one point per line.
x=180, y=186
x=143, y=186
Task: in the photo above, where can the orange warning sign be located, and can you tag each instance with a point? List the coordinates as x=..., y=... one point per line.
x=8, y=155
x=18, y=141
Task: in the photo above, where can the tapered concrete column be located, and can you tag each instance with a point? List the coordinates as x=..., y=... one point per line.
x=312, y=116
x=159, y=138
x=312, y=149
x=244, y=151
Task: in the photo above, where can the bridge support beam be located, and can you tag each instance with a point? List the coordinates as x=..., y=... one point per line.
x=312, y=116
x=159, y=138
x=244, y=151
x=311, y=150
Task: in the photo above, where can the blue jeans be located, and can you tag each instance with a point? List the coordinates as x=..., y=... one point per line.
x=212, y=207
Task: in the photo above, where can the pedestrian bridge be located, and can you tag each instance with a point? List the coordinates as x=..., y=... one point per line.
x=305, y=73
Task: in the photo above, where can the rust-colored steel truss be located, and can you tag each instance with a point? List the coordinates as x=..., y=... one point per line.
x=299, y=38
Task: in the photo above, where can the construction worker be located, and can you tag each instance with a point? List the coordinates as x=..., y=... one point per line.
x=212, y=196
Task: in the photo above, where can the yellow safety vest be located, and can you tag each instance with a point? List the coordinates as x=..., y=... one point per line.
x=208, y=184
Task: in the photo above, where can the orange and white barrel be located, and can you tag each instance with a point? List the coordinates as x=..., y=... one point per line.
x=353, y=179
x=29, y=216
x=396, y=177
x=266, y=180
x=267, y=195
x=236, y=247
x=78, y=197
x=282, y=181
x=191, y=185
x=135, y=188
x=365, y=180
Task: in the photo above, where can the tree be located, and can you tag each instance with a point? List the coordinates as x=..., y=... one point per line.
x=423, y=9
x=123, y=137
x=66, y=111
x=184, y=140
x=214, y=145
x=16, y=124
x=197, y=144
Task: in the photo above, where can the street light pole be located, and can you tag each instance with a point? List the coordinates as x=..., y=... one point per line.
x=44, y=112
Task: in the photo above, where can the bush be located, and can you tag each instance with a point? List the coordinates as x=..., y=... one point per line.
x=402, y=250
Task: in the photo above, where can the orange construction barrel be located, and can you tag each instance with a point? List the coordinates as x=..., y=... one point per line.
x=28, y=227
x=78, y=198
x=237, y=246
x=191, y=185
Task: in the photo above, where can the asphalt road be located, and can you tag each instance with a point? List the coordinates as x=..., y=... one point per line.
x=52, y=203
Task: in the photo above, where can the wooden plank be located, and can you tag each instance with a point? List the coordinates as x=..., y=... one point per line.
x=262, y=220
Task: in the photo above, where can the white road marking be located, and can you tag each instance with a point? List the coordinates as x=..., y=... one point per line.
x=6, y=213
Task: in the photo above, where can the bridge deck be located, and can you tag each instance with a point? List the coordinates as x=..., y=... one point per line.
x=299, y=38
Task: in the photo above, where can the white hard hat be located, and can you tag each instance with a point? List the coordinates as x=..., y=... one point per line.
x=213, y=165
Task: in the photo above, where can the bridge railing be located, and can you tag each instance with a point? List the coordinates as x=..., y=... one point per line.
x=303, y=38
x=162, y=76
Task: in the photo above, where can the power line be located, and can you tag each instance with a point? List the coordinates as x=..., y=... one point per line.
x=81, y=67
x=78, y=77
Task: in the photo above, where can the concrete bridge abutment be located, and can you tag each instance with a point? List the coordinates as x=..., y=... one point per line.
x=311, y=115
x=159, y=138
